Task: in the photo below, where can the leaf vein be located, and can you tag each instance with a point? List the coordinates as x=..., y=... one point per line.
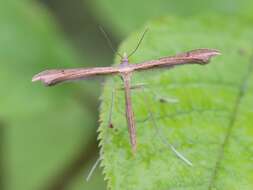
x=231, y=124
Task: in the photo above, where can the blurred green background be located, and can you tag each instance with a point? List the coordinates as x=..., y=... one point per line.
x=48, y=135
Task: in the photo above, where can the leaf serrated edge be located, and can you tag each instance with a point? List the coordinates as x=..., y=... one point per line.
x=101, y=134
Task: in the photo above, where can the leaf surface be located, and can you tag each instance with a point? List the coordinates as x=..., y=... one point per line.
x=205, y=112
x=125, y=16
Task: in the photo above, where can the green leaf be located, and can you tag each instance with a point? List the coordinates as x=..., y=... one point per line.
x=44, y=128
x=125, y=16
x=210, y=123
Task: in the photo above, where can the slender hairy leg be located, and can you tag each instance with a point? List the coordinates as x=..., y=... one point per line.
x=160, y=134
x=110, y=125
x=166, y=142
x=93, y=169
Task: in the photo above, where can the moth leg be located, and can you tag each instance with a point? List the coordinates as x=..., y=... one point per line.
x=161, y=134
x=145, y=89
x=161, y=98
x=93, y=168
x=166, y=141
x=138, y=86
x=110, y=124
x=134, y=87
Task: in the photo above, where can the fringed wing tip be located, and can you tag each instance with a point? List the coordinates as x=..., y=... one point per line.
x=213, y=52
x=206, y=52
x=35, y=78
x=43, y=77
x=203, y=55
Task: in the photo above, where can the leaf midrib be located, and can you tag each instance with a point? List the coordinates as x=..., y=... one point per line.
x=242, y=90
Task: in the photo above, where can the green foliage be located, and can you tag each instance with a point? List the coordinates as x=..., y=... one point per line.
x=125, y=16
x=44, y=127
x=211, y=124
x=206, y=114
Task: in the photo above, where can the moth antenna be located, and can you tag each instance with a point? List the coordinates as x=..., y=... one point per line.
x=139, y=43
x=109, y=41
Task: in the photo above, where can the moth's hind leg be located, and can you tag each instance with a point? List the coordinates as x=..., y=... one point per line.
x=163, y=100
x=138, y=86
